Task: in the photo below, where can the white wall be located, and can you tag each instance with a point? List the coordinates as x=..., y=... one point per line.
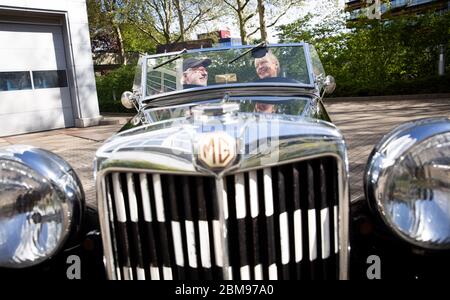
x=78, y=53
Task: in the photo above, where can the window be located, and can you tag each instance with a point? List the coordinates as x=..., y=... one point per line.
x=49, y=79
x=12, y=81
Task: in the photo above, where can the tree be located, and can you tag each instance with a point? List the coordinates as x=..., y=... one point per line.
x=245, y=11
x=170, y=21
x=106, y=19
x=277, y=10
x=244, y=14
x=262, y=20
x=375, y=56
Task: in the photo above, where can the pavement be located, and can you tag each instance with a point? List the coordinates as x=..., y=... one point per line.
x=76, y=145
x=363, y=122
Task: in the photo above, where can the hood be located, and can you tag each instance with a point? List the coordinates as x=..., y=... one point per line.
x=216, y=145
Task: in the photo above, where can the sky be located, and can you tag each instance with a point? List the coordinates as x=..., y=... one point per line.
x=308, y=6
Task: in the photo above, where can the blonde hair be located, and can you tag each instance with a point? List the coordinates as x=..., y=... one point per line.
x=270, y=56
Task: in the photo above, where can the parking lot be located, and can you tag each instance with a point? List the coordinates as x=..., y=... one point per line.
x=363, y=123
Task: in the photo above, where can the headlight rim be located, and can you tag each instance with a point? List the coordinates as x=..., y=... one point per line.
x=63, y=179
x=421, y=130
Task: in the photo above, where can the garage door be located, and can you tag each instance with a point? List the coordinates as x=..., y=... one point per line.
x=34, y=92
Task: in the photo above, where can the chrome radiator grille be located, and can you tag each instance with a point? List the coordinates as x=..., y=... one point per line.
x=281, y=223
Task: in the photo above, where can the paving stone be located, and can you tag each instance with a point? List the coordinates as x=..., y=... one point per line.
x=76, y=145
x=364, y=123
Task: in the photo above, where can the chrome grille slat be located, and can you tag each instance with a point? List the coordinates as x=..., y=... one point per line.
x=203, y=228
x=162, y=228
x=297, y=220
x=134, y=224
x=311, y=220
x=122, y=233
x=112, y=226
x=241, y=213
x=254, y=213
x=283, y=226
x=190, y=228
x=148, y=236
x=324, y=214
x=270, y=230
x=222, y=219
x=273, y=223
x=175, y=225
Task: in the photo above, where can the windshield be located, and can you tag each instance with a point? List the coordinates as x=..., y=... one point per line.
x=280, y=105
x=200, y=69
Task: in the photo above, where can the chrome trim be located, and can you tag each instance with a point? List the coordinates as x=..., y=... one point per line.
x=298, y=139
x=105, y=216
x=344, y=209
x=236, y=89
x=386, y=154
x=143, y=82
x=344, y=216
x=223, y=215
x=61, y=177
x=309, y=64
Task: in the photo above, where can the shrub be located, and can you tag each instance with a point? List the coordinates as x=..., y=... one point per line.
x=427, y=85
x=111, y=86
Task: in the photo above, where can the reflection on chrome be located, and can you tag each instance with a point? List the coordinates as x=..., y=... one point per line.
x=168, y=148
x=41, y=203
x=408, y=180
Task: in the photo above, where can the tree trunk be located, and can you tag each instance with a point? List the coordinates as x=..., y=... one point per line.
x=123, y=59
x=180, y=19
x=242, y=30
x=262, y=20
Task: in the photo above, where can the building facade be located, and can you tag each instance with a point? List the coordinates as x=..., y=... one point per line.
x=384, y=9
x=46, y=70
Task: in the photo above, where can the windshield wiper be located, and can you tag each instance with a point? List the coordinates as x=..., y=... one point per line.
x=171, y=59
x=258, y=51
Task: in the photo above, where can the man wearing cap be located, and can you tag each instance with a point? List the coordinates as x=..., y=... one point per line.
x=195, y=73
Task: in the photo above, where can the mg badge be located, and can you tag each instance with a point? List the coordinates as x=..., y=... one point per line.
x=217, y=149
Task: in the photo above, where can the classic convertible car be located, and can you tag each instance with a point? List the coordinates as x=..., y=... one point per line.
x=231, y=169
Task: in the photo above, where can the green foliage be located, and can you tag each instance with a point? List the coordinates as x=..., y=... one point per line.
x=432, y=84
x=398, y=56
x=134, y=41
x=111, y=86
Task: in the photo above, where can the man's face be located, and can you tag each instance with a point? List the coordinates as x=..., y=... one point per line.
x=265, y=67
x=196, y=75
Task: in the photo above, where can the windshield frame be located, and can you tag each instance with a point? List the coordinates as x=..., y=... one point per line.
x=147, y=99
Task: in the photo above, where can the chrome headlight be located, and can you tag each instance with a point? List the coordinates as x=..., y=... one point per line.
x=41, y=202
x=408, y=182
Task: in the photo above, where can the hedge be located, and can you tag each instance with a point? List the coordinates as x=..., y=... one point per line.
x=111, y=86
x=428, y=85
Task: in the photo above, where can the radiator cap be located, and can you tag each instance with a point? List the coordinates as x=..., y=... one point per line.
x=215, y=109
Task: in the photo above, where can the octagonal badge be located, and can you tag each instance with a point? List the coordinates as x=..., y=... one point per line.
x=216, y=149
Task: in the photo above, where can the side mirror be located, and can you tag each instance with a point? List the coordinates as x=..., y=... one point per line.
x=329, y=84
x=127, y=99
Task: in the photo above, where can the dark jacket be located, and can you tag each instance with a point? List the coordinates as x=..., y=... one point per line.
x=277, y=79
